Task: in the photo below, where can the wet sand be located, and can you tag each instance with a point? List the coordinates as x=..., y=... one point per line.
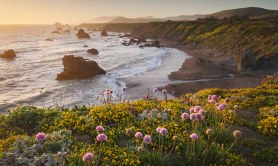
x=201, y=68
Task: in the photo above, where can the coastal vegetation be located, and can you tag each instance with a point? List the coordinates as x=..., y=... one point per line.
x=252, y=44
x=210, y=127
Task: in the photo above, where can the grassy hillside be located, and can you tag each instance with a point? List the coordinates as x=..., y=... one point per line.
x=250, y=43
x=232, y=127
x=251, y=12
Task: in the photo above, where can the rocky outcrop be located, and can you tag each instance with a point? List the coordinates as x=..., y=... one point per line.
x=9, y=54
x=92, y=51
x=67, y=31
x=59, y=28
x=58, y=32
x=141, y=39
x=156, y=44
x=48, y=39
x=82, y=34
x=104, y=33
x=79, y=68
x=125, y=35
x=250, y=43
x=142, y=42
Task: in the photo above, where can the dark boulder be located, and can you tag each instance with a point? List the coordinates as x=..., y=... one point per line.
x=156, y=44
x=141, y=40
x=48, y=39
x=104, y=33
x=132, y=41
x=82, y=34
x=79, y=68
x=152, y=44
x=85, y=46
x=58, y=32
x=93, y=51
x=59, y=28
x=125, y=35
x=67, y=31
x=9, y=54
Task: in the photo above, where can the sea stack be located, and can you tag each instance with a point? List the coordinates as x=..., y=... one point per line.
x=104, y=33
x=92, y=51
x=9, y=54
x=79, y=68
x=82, y=34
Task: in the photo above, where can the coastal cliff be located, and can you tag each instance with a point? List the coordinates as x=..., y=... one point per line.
x=251, y=44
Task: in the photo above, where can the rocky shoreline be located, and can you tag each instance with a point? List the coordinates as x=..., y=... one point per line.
x=208, y=69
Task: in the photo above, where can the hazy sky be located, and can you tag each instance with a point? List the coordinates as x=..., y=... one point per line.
x=77, y=11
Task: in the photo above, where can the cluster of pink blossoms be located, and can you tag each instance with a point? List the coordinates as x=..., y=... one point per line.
x=138, y=135
x=194, y=136
x=87, y=156
x=219, y=106
x=184, y=116
x=147, y=139
x=40, y=136
x=100, y=129
x=212, y=98
x=101, y=137
x=196, y=114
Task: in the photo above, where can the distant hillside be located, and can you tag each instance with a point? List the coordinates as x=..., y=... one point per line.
x=251, y=12
x=145, y=19
x=135, y=20
x=103, y=19
x=186, y=17
x=250, y=43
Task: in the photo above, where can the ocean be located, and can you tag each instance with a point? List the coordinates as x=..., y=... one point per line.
x=29, y=79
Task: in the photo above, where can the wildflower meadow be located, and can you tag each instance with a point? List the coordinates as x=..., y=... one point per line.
x=210, y=127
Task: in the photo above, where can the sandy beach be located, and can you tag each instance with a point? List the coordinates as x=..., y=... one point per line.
x=201, y=68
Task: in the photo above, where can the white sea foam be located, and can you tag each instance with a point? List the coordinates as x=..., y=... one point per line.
x=30, y=78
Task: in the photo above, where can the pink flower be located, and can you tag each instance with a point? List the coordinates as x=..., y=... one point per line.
x=196, y=109
x=191, y=110
x=100, y=129
x=202, y=112
x=221, y=107
x=138, y=135
x=235, y=106
x=165, y=86
x=158, y=129
x=147, y=139
x=40, y=136
x=164, y=91
x=194, y=136
x=163, y=131
x=101, y=137
x=194, y=117
x=184, y=116
x=212, y=101
x=155, y=90
x=214, y=97
x=209, y=97
x=87, y=156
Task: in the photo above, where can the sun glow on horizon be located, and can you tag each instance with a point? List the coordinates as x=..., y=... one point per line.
x=78, y=11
